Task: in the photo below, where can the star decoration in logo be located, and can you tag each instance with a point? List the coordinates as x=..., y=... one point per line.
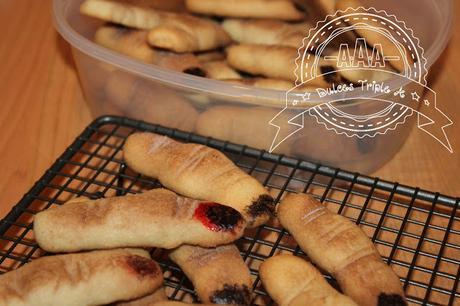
x=306, y=96
x=427, y=103
x=415, y=96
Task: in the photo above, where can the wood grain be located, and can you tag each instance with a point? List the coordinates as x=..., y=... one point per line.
x=43, y=108
x=42, y=105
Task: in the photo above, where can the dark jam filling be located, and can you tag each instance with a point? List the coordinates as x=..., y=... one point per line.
x=195, y=71
x=262, y=206
x=217, y=217
x=391, y=300
x=143, y=266
x=232, y=294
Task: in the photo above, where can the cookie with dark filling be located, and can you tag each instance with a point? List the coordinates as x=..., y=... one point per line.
x=217, y=217
x=232, y=294
x=157, y=218
x=219, y=274
x=342, y=249
x=265, y=204
x=391, y=300
x=91, y=278
x=199, y=172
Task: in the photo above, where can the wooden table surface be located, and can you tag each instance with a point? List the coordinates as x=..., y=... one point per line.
x=43, y=108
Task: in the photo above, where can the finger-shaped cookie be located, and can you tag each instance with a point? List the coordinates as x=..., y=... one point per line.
x=267, y=32
x=185, y=62
x=220, y=70
x=93, y=278
x=343, y=66
x=170, y=31
x=275, y=9
x=271, y=61
x=133, y=43
x=341, y=248
x=401, y=55
x=123, y=13
x=185, y=33
x=156, y=218
x=200, y=172
x=158, y=295
x=126, y=41
x=219, y=275
x=291, y=281
x=357, y=76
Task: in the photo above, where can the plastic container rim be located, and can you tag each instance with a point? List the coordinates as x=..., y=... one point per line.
x=210, y=86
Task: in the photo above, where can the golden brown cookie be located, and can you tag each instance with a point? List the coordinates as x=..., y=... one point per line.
x=219, y=275
x=186, y=33
x=275, y=9
x=122, y=13
x=93, y=278
x=185, y=62
x=171, y=31
x=343, y=66
x=292, y=281
x=220, y=70
x=200, y=172
x=342, y=249
x=267, y=32
x=127, y=41
x=156, y=218
x=133, y=43
x=271, y=61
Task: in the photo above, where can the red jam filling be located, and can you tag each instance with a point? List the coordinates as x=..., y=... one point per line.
x=217, y=217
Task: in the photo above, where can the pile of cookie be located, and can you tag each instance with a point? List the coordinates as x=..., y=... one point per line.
x=245, y=42
x=105, y=241
x=253, y=42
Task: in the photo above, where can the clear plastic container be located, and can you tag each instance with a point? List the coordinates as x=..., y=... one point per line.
x=116, y=84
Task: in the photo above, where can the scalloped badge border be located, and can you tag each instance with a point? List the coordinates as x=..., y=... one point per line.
x=348, y=11
x=316, y=111
x=321, y=117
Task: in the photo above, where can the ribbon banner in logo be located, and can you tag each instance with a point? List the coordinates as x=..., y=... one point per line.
x=384, y=66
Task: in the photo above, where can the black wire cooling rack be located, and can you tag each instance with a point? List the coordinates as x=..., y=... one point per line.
x=416, y=231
